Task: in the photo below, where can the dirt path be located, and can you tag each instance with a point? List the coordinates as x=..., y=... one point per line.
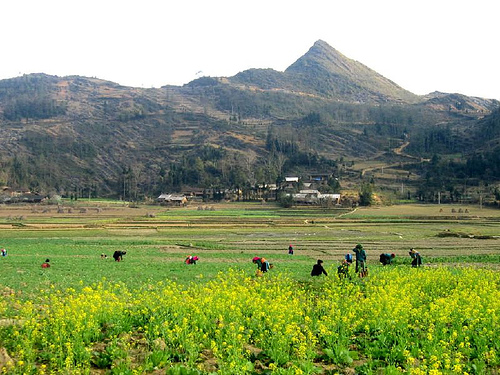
x=400, y=152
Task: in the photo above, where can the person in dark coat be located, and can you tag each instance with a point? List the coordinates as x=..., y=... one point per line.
x=416, y=258
x=118, y=255
x=386, y=259
x=360, y=260
x=318, y=269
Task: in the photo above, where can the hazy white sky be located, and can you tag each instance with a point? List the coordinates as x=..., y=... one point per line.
x=422, y=45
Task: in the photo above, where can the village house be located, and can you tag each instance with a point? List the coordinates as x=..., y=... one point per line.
x=172, y=199
x=334, y=198
x=290, y=183
x=312, y=196
x=320, y=178
x=9, y=195
x=194, y=193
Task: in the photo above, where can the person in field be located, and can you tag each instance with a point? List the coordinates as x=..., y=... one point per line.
x=361, y=269
x=290, y=250
x=118, y=255
x=318, y=269
x=4, y=252
x=262, y=264
x=348, y=258
x=416, y=258
x=46, y=264
x=191, y=259
x=343, y=270
x=386, y=258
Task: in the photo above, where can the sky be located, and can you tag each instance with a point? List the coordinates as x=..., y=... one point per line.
x=423, y=46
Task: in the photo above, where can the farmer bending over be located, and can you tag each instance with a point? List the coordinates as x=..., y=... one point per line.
x=416, y=258
x=318, y=269
x=386, y=259
x=343, y=270
x=262, y=264
x=118, y=255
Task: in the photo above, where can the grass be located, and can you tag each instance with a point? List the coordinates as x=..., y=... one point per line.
x=229, y=237
x=226, y=240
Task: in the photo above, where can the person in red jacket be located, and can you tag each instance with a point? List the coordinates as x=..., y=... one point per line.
x=46, y=263
x=191, y=259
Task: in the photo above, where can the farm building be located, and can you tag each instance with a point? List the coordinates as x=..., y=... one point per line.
x=194, y=193
x=320, y=178
x=8, y=195
x=172, y=199
x=290, y=183
x=311, y=196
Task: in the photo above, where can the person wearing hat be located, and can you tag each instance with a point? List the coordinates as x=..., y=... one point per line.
x=191, y=259
x=416, y=258
x=262, y=264
x=46, y=263
x=386, y=258
x=360, y=260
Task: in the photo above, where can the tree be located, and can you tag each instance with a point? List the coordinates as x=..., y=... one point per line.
x=285, y=200
x=366, y=194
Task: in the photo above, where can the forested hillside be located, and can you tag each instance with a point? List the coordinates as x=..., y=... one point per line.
x=324, y=114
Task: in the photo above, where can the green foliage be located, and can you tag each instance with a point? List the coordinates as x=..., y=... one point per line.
x=181, y=370
x=366, y=194
x=103, y=359
x=285, y=200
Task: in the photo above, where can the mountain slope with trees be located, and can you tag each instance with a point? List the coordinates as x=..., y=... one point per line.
x=325, y=113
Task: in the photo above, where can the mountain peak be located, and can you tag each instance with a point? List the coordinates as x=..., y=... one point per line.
x=324, y=46
x=321, y=44
x=321, y=54
x=324, y=66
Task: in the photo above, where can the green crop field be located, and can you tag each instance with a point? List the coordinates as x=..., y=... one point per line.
x=152, y=313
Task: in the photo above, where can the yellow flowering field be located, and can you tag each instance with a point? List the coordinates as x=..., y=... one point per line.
x=396, y=320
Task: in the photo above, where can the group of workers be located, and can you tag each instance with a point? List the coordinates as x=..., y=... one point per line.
x=361, y=269
x=263, y=265
x=343, y=269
